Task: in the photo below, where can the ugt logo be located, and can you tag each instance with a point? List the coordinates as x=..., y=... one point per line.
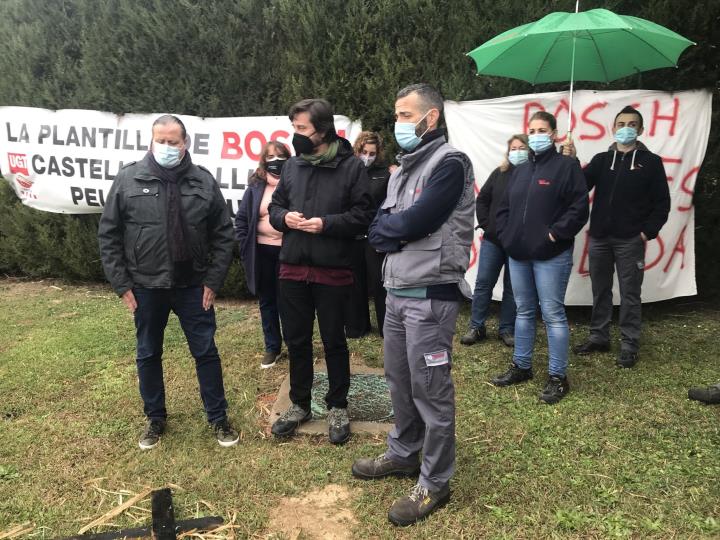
x=18, y=163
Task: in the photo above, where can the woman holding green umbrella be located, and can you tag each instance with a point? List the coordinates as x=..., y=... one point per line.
x=544, y=207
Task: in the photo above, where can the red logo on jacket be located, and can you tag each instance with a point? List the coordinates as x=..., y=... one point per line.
x=543, y=182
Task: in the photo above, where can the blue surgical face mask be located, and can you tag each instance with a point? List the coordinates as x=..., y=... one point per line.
x=166, y=156
x=626, y=135
x=405, y=134
x=539, y=142
x=516, y=157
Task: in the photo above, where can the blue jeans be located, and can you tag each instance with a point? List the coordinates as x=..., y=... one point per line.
x=547, y=282
x=490, y=261
x=151, y=317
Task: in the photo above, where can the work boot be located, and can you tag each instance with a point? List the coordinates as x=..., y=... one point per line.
x=151, y=436
x=710, y=395
x=555, y=389
x=269, y=359
x=380, y=467
x=588, y=347
x=338, y=425
x=289, y=421
x=507, y=338
x=626, y=359
x=225, y=434
x=474, y=335
x=514, y=375
x=417, y=505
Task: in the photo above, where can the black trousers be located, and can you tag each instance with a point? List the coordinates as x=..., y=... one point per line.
x=376, y=289
x=298, y=303
x=357, y=310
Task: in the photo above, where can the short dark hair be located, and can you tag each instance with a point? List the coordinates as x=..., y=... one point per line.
x=167, y=119
x=545, y=116
x=629, y=110
x=321, y=116
x=430, y=97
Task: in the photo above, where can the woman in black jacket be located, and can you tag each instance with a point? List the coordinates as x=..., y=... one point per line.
x=260, y=244
x=367, y=262
x=545, y=206
x=492, y=257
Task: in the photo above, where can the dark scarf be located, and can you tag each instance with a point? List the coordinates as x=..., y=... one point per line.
x=176, y=228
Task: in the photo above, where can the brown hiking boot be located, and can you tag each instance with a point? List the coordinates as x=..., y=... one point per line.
x=417, y=505
x=380, y=467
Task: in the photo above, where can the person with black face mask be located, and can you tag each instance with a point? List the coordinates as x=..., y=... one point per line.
x=320, y=205
x=260, y=244
x=367, y=262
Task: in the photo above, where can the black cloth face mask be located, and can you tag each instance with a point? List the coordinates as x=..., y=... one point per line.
x=302, y=144
x=275, y=166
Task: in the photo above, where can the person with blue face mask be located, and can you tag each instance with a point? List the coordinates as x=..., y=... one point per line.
x=492, y=257
x=166, y=243
x=630, y=206
x=544, y=207
x=425, y=228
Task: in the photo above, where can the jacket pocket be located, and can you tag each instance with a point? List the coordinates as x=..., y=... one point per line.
x=143, y=204
x=419, y=261
x=149, y=250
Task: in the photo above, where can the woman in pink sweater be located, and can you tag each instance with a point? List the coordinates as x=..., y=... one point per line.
x=260, y=244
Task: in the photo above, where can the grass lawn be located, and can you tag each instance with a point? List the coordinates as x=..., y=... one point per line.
x=626, y=454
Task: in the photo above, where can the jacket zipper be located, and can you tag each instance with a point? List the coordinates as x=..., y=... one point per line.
x=617, y=175
x=527, y=194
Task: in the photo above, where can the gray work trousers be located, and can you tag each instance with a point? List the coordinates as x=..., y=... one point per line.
x=627, y=255
x=418, y=357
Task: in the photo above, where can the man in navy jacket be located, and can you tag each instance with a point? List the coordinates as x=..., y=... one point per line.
x=631, y=204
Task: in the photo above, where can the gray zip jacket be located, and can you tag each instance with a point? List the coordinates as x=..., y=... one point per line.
x=442, y=256
x=133, y=229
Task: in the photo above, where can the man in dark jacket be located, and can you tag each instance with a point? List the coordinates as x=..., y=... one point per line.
x=630, y=206
x=166, y=242
x=320, y=205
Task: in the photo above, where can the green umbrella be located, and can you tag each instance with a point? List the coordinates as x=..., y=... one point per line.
x=594, y=45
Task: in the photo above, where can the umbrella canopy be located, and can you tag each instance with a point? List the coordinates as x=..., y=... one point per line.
x=603, y=45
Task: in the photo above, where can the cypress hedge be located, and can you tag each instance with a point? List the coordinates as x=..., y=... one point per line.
x=256, y=57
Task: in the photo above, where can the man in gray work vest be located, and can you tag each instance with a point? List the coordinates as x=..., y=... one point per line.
x=425, y=226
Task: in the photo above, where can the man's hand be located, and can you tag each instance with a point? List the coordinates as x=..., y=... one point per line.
x=293, y=219
x=208, y=297
x=128, y=299
x=312, y=225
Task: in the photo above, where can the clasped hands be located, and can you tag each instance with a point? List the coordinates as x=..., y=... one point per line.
x=295, y=220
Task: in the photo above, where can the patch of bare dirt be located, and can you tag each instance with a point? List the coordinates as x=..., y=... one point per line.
x=319, y=515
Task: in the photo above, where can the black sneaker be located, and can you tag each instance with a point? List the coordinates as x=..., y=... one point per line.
x=507, y=338
x=225, y=434
x=151, y=436
x=626, y=359
x=417, y=505
x=380, y=467
x=288, y=423
x=514, y=375
x=269, y=359
x=710, y=395
x=555, y=389
x=474, y=335
x=338, y=425
x=588, y=347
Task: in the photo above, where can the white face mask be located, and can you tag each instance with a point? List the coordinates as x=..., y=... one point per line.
x=367, y=160
x=166, y=156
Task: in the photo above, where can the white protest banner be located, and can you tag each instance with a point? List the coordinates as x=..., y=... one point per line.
x=677, y=126
x=65, y=160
